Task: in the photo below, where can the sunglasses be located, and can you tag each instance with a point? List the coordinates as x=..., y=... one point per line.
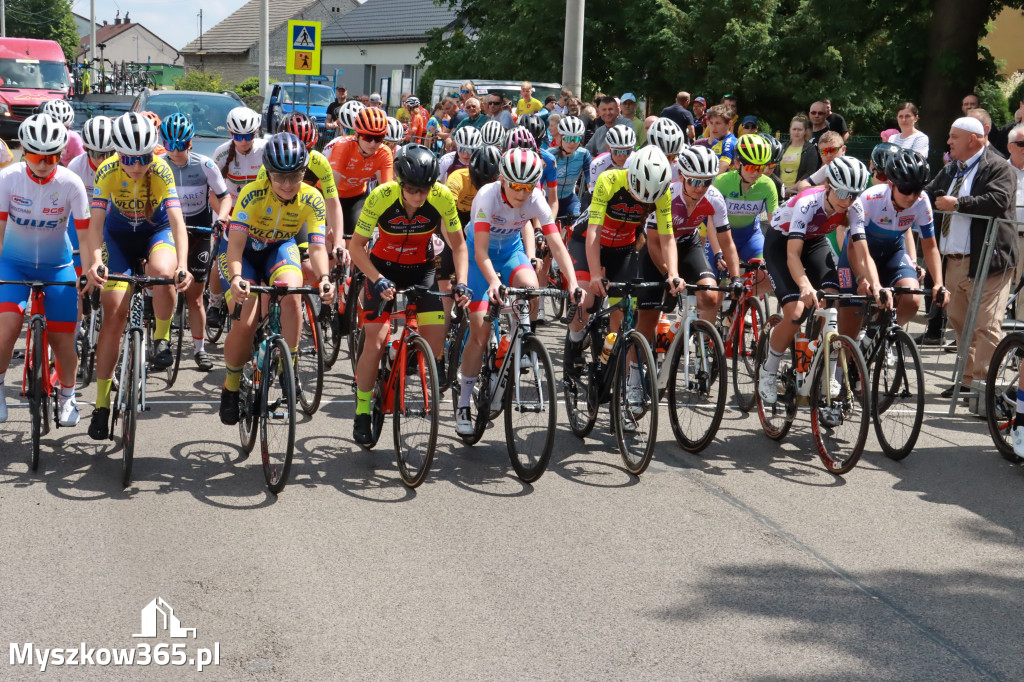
x=830, y=150
x=909, y=190
x=465, y=92
x=699, y=182
x=817, y=113
x=42, y=158
x=572, y=138
x=178, y=146
x=94, y=154
x=465, y=148
x=414, y=190
x=844, y=194
x=520, y=187
x=1019, y=143
x=143, y=160
x=288, y=178
x=621, y=152
x=752, y=126
x=249, y=137
x=751, y=168
x=375, y=139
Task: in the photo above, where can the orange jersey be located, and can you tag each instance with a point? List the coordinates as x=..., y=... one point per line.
x=417, y=126
x=355, y=169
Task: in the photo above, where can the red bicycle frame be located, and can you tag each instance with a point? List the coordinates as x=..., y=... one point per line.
x=734, y=336
x=49, y=373
x=398, y=368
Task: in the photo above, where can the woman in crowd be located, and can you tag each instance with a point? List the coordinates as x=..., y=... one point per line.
x=800, y=158
x=909, y=136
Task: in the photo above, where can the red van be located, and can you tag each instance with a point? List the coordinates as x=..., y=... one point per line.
x=31, y=71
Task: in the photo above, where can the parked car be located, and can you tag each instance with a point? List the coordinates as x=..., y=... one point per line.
x=31, y=72
x=284, y=98
x=208, y=111
x=99, y=104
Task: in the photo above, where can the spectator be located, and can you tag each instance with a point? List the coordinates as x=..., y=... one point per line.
x=818, y=114
x=749, y=125
x=494, y=107
x=375, y=101
x=589, y=117
x=549, y=105
x=976, y=182
x=800, y=158
x=563, y=102
x=553, y=135
x=467, y=92
x=999, y=138
x=835, y=121
x=986, y=123
x=648, y=122
x=700, y=119
x=527, y=104
x=403, y=114
x=473, y=116
x=608, y=109
x=681, y=115
x=340, y=97
x=438, y=127
x=909, y=136
x=364, y=100
x=628, y=105
x=970, y=101
x=1015, y=143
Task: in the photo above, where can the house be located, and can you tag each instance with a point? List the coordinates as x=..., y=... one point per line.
x=125, y=41
x=1003, y=41
x=82, y=25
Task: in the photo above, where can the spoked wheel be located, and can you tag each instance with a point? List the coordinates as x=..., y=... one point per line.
x=131, y=385
x=897, y=395
x=697, y=387
x=777, y=418
x=248, y=406
x=277, y=414
x=554, y=306
x=331, y=327
x=416, y=412
x=178, y=324
x=531, y=410
x=579, y=395
x=86, y=346
x=744, y=352
x=309, y=365
x=1001, y=393
x=480, y=403
x=352, y=319
x=634, y=405
x=839, y=406
x=214, y=331
x=35, y=393
x=454, y=344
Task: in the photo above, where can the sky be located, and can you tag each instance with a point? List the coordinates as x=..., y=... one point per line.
x=175, y=21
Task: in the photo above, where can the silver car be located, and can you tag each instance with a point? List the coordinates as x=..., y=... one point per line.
x=207, y=110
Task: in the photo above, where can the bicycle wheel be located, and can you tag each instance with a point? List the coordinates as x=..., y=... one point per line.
x=331, y=327
x=578, y=394
x=697, y=387
x=1001, y=393
x=416, y=412
x=213, y=331
x=455, y=342
x=634, y=405
x=35, y=391
x=277, y=414
x=554, y=305
x=777, y=418
x=480, y=402
x=897, y=395
x=531, y=410
x=248, y=406
x=309, y=363
x=840, y=422
x=130, y=386
x=746, y=333
x=178, y=324
x=83, y=347
x=352, y=319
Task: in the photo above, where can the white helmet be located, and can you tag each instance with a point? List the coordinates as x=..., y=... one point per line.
x=134, y=134
x=96, y=134
x=243, y=121
x=666, y=135
x=621, y=137
x=572, y=125
x=848, y=174
x=42, y=134
x=493, y=133
x=61, y=110
x=347, y=113
x=395, y=132
x=467, y=138
x=522, y=166
x=698, y=162
x=648, y=174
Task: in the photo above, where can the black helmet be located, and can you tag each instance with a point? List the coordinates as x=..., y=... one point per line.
x=778, y=149
x=416, y=165
x=881, y=153
x=483, y=165
x=535, y=124
x=908, y=170
x=285, y=153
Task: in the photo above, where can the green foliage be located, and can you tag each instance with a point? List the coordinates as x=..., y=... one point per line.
x=250, y=87
x=203, y=81
x=1017, y=96
x=44, y=20
x=992, y=100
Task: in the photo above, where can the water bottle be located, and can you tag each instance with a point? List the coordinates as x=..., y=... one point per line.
x=803, y=355
x=260, y=352
x=344, y=295
x=606, y=351
x=661, y=336
x=673, y=329
x=392, y=352
x=502, y=350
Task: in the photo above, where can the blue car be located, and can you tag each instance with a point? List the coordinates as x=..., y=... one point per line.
x=284, y=98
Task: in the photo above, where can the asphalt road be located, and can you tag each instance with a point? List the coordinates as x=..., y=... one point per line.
x=750, y=562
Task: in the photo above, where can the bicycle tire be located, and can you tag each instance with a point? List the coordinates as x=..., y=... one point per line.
x=411, y=401
x=455, y=343
x=248, y=405
x=83, y=347
x=1001, y=387
x=906, y=381
x=331, y=327
x=578, y=394
x=130, y=385
x=35, y=390
x=748, y=329
x=277, y=414
x=626, y=415
x=777, y=419
x=214, y=331
x=177, y=338
x=828, y=414
x=351, y=320
x=309, y=365
x=703, y=394
x=480, y=402
x=529, y=464
x=554, y=306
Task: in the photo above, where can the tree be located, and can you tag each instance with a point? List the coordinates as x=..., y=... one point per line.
x=202, y=81
x=44, y=20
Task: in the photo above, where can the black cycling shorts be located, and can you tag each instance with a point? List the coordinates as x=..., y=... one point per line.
x=199, y=254
x=817, y=258
x=693, y=267
x=351, y=207
x=428, y=308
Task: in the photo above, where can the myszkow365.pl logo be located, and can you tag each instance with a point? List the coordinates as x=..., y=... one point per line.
x=158, y=621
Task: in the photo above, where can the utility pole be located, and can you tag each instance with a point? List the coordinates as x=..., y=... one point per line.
x=3, y=18
x=572, y=54
x=92, y=45
x=264, y=45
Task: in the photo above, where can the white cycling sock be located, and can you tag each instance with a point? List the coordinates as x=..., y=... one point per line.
x=199, y=344
x=774, y=358
x=633, y=378
x=467, y=391
x=577, y=336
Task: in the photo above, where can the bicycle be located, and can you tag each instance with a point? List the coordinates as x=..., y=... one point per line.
x=214, y=330
x=309, y=361
x=455, y=340
x=88, y=334
x=552, y=307
x=533, y=392
x=1001, y=385
x=839, y=408
x=407, y=389
x=615, y=365
x=333, y=329
x=740, y=326
x=40, y=384
x=267, y=390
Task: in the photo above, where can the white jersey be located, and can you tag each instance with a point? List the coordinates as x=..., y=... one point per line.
x=711, y=210
x=819, y=176
x=492, y=214
x=194, y=181
x=81, y=167
x=873, y=217
x=448, y=164
x=600, y=164
x=37, y=215
x=244, y=167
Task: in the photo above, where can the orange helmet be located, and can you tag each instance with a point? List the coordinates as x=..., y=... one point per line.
x=371, y=121
x=152, y=117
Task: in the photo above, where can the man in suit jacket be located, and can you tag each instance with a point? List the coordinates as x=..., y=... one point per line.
x=976, y=182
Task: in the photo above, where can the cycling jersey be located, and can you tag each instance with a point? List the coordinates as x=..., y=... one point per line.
x=804, y=216
x=73, y=150
x=494, y=215
x=243, y=169
x=37, y=214
x=266, y=220
x=686, y=224
x=127, y=202
x=417, y=128
x=355, y=169
x=194, y=181
x=549, y=178
x=451, y=162
x=600, y=164
x=725, y=149
x=318, y=172
x=570, y=169
x=873, y=217
x=83, y=167
x=619, y=215
x=745, y=208
x=463, y=190
x=819, y=176
x=403, y=240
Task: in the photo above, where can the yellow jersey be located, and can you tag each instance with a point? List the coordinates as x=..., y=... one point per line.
x=265, y=219
x=134, y=206
x=319, y=170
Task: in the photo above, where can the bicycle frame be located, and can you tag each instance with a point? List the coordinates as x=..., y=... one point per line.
x=409, y=329
x=689, y=305
x=37, y=312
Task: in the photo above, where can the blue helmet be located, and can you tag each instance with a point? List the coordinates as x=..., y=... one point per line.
x=177, y=130
x=285, y=153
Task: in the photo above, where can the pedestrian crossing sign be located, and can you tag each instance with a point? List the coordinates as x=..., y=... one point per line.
x=303, y=57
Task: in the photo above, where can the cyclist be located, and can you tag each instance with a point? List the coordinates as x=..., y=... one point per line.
x=62, y=110
x=406, y=212
x=666, y=135
x=467, y=140
x=38, y=201
x=503, y=246
x=879, y=155
x=493, y=133
x=538, y=129
x=620, y=142
x=136, y=215
x=572, y=162
x=394, y=135
x=261, y=248
x=799, y=258
x=196, y=179
x=778, y=150
x=357, y=159
x=98, y=146
x=418, y=116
